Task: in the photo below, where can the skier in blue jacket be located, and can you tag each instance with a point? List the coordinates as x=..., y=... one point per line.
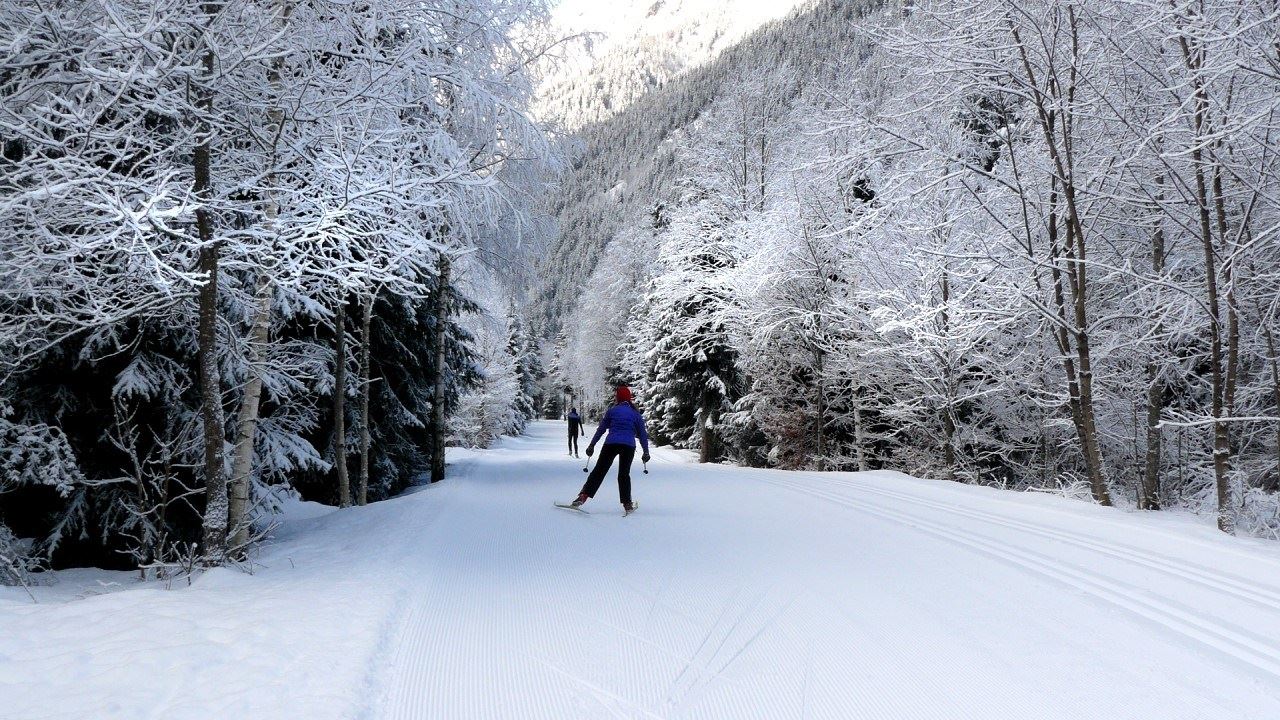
x=575, y=429
x=624, y=424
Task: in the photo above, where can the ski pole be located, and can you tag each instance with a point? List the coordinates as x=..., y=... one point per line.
x=646, y=467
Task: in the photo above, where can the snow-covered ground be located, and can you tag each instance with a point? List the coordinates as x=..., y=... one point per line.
x=733, y=593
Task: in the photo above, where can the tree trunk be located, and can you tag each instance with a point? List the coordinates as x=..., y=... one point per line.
x=949, y=381
x=1192, y=57
x=247, y=418
x=764, y=157
x=706, y=453
x=820, y=386
x=1056, y=120
x=744, y=157
x=366, y=337
x=438, y=395
x=1273, y=364
x=704, y=443
x=1275, y=388
x=1093, y=453
x=859, y=432
x=162, y=536
x=340, y=403
x=259, y=335
x=1061, y=335
x=1229, y=277
x=215, y=479
x=1149, y=494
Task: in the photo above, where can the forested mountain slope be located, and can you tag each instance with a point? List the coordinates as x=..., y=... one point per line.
x=624, y=167
x=619, y=51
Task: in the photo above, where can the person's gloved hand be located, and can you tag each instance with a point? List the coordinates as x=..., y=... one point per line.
x=644, y=458
x=590, y=449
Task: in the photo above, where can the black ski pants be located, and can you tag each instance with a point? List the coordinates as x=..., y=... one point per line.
x=624, y=454
x=573, y=442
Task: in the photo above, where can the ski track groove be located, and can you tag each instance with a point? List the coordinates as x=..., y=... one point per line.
x=761, y=628
x=1217, y=637
x=674, y=692
x=756, y=635
x=1253, y=593
x=596, y=692
x=676, y=698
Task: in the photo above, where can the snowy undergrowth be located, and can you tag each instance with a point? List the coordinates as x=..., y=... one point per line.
x=300, y=627
x=16, y=562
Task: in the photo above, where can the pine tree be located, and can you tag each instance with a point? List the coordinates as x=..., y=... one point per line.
x=528, y=369
x=691, y=375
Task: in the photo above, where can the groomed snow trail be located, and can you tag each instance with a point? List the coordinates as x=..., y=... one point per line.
x=733, y=593
x=739, y=593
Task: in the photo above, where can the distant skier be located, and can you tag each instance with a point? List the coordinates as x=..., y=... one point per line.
x=575, y=429
x=624, y=424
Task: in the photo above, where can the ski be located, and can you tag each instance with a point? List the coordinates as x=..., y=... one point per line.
x=569, y=506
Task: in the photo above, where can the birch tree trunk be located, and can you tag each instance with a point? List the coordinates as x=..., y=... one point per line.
x=259, y=335
x=247, y=418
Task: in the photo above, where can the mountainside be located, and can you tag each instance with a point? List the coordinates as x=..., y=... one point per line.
x=624, y=167
x=630, y=48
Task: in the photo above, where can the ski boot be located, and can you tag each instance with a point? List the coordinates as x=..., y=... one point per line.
x=575, y=505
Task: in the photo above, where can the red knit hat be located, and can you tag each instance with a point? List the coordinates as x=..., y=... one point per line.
x=624, y=393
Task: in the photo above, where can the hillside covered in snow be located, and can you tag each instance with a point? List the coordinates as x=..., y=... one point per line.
x=623, y=164
x=624, y=50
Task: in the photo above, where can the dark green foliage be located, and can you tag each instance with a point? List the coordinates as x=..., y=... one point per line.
x=121, y=414
x=403, y=380
x=529, y=371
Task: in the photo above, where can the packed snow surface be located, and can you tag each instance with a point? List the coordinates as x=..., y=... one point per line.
x=733, y=593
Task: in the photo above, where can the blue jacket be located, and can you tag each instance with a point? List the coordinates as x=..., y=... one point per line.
x=625, y=424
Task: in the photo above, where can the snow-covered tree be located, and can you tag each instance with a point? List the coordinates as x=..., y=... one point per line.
x=221, y=214
x=1014, y=243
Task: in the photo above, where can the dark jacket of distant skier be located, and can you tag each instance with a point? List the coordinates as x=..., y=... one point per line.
x=575, y=429
x=624, y=425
